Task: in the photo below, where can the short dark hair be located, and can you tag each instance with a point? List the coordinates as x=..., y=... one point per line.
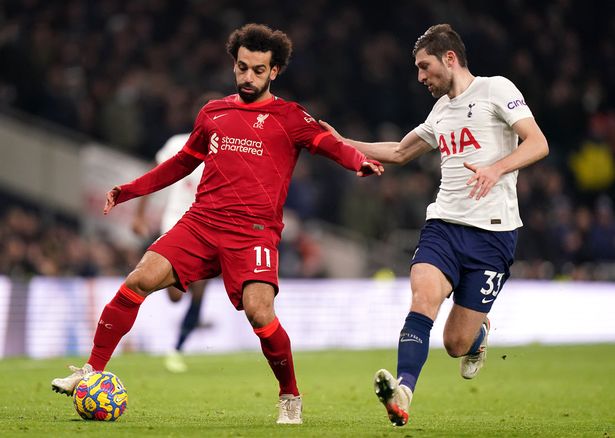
x=439, y=39
x=261, y=38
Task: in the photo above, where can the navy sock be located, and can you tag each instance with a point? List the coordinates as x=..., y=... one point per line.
x=413, y=348
x=189, y=323
x=476, y=345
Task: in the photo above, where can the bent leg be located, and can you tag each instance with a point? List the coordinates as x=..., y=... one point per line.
x=429, y=289
x=258, y=304
x=463, y=330
x=152, y=273
x=465, y=335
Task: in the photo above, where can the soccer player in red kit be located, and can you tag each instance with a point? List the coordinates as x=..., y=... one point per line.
x=250, y=142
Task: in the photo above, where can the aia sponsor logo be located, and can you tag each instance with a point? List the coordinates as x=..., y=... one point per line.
x=515, y=103
x=457, y=144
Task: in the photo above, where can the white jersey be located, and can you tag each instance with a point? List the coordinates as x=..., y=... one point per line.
x=183, y=192
x=476, y=127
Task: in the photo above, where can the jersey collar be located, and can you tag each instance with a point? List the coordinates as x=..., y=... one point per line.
x=254, y=104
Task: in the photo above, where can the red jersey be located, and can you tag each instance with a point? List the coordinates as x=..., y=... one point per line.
x=250, y=151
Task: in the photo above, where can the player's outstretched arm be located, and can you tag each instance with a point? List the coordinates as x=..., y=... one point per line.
x=175, y=168
x=345, y=155
x=532, y=148
x=409, y=148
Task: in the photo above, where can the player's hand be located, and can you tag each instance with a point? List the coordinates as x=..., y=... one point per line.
x=112, y=196
x=331, y=129
x=370, y=167
x=484, y=179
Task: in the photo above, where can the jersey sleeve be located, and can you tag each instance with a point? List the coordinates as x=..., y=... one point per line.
x=508, y=102
x=306, y=132
x=197, y=142
x=303, y=129
x=161, y=176
x=426, y=132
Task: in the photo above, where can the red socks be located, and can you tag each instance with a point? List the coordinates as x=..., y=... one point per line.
x=116, y=320
x=275, y=344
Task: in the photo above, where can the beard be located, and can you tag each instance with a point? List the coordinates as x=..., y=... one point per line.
x=441, y=90
x=254, y=94
x=438, y=92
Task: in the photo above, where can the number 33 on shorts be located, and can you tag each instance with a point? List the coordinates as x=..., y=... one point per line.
x=492, y=288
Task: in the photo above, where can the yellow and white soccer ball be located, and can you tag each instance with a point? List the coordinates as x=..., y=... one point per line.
x=100, y=396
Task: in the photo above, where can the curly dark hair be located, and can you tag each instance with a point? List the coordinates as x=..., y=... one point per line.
x=438, y=39
x=261, y=38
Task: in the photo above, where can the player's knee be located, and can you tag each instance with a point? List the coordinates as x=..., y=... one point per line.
x=425, y=304
x=259, y=317
x=455, y=346
x=256, y=319
x=453, y=350
x=139, y=283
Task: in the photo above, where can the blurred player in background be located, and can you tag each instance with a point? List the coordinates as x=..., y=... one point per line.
x=467, y=244
x=180, y=197
x=250, y=143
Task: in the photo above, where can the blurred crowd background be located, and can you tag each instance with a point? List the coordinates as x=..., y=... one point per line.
x=128, y=73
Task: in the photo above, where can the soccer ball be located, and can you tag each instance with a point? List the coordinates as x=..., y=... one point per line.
x=100, y=396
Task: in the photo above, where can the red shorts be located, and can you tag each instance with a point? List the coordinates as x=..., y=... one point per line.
x=198, y=251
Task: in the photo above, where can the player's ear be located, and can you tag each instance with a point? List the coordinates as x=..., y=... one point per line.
x=449, y=58
x=274, y=72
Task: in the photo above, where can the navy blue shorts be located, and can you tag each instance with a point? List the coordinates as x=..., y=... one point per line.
x=476, y=261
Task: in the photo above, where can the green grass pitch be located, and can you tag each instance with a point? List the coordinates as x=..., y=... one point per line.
x=541, y=391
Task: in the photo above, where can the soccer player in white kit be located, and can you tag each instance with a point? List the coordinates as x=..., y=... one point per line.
x=180, y=197
x=467, y=244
